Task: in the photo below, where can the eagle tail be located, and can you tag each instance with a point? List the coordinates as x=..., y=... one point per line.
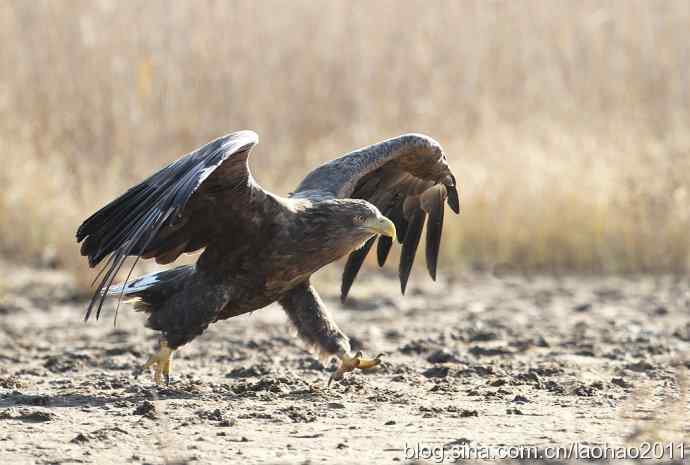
x=152, y=290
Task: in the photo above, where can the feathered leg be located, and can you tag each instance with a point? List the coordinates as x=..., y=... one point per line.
x=316, y=327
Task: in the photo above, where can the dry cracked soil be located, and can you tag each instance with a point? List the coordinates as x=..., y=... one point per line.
x=475, y=364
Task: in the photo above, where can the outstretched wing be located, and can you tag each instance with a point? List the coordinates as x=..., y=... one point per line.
x=409, y=180
x=173, y=211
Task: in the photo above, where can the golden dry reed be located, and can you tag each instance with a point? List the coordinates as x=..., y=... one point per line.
x=567, y=122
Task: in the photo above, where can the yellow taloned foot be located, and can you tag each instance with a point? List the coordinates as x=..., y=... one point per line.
x=161, y=363
x=348, y=363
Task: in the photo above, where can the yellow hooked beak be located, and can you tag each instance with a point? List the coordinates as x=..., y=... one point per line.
x=381, y=225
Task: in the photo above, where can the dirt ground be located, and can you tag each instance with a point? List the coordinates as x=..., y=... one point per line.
x=477, y=361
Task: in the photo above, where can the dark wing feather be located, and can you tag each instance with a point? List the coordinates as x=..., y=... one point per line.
x=432, y=202
x=453, y=198
x=397, y=216
x=407, y=177
x=383, y=248
x=409, y=248
x=354, y=263
x=172, y=211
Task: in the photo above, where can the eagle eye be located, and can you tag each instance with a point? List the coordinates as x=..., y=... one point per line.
x=359, y=219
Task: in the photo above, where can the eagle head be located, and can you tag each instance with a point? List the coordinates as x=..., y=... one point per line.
x=359, y=220
x=346, y=224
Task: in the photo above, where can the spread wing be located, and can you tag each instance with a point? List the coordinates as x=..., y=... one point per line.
x=409, y=180
x=175, y=210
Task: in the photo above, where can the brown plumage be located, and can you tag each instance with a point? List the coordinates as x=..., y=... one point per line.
x=261, y=248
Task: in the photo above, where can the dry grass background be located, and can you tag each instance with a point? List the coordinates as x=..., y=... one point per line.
x=567, y=123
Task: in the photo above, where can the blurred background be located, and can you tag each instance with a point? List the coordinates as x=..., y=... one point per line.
x=567, y=123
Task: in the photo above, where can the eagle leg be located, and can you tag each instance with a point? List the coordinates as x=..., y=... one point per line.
x=348, y=363
x=317, y=328
x=161, y=363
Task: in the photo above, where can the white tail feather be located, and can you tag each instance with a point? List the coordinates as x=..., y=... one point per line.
x=136, y=285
